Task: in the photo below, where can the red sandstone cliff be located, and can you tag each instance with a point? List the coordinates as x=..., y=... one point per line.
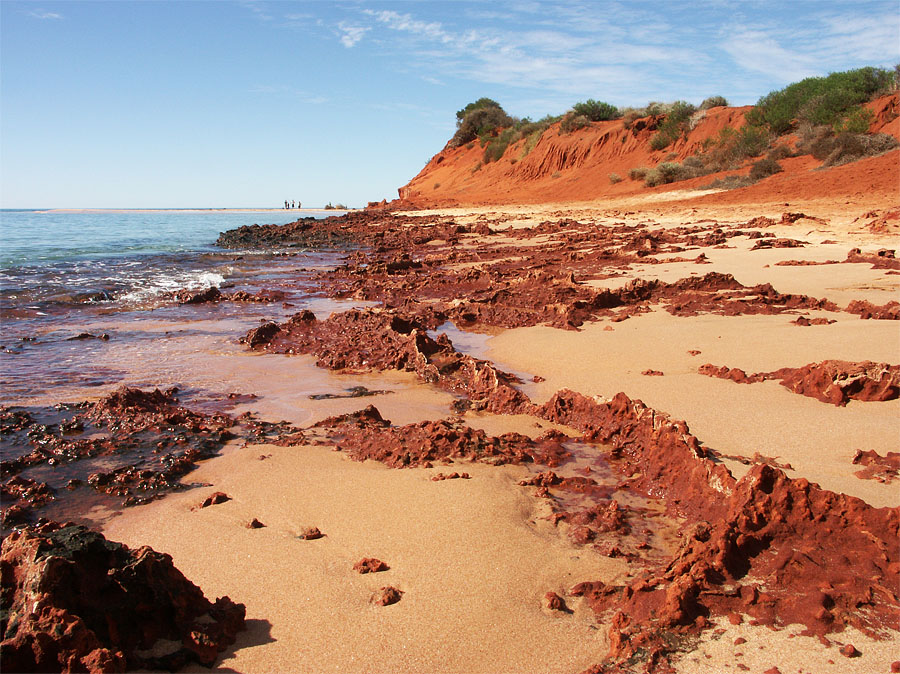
x=577, y=166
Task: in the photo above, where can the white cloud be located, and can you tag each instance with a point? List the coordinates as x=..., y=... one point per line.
x=350, y=35
x=760, y=52
x=41, y=14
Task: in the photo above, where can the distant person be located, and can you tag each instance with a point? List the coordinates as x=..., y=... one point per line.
x=292, y=204
x=298, y=205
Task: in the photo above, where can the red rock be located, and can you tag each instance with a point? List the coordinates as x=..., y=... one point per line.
x=386, y=596
x=882, y=468
x=895, y=666
x=370, y=565
x=310, y=534
x=103, y=606
x=451, y=476
x=740, y=640
x=805, y=322
x=652, y=373
x=554, y=602
x=255, y=524
x=867, y=310
x=772, y=670
x=849, y=651
x=211, y=294
x=215, y=499
x=831, y=381
x=881, y=259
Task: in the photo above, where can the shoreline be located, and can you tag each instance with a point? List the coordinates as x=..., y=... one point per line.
x=192, y=210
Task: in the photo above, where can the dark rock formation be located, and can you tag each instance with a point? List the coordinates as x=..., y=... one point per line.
x=74, y=601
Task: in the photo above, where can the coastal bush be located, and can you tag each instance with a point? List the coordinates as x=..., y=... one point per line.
x=732, y=146
x=857, y=120
x=572, y=122
x=779, y=152
x=532, y=132
x=714, y=102
x=480, y=103
x=728, y=183
x=673, y=126
x=819, y=100
x=596, y=111
x=630, y=117
x=764, y=168
x=479, y=122
x=497, y=145
x=638, y=173
x=815, y=140
x=614, y=178
x=849, y=147
x=667, y=172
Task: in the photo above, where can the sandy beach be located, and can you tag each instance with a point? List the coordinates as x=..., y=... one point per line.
x=474, y=558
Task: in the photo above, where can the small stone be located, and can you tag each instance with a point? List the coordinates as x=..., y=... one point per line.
x=386, y=596
x=215, y=499
x=554, y=602
x=739, y=641
x=255, y=524
x=370, y=565
x=310, y=534
x=849, y=651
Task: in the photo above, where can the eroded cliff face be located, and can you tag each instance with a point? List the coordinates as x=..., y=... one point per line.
x=577, y=166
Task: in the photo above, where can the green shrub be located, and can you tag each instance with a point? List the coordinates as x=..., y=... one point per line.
x=779, y=152
x=819, y=100
x=638, y=173
x=479, y=122
x=850, y=147
x=596, y=111
x=674, y=126
x=714, y=102
x=816, y=140
x=728, y=183
x=530, y=141
x=764, y=168
x=732, y=146
x=480, y=103
x=667, y=172
x=497, y=146
x=858, y=120
x=614, y=178
x=572, y=122
x=630, y=117
x=660, y=141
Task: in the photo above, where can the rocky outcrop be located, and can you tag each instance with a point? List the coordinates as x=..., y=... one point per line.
x=831, y=381
x=74, y=601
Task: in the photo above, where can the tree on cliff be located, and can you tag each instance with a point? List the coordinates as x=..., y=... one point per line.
x=477, y=119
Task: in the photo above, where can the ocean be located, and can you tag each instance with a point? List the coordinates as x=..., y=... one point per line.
x=65, y=274
x=71, y=257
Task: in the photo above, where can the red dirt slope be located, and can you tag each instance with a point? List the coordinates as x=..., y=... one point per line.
x=577, y=167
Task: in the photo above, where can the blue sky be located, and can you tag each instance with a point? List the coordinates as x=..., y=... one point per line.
x=231, y=104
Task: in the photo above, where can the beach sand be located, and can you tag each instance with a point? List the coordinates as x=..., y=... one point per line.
x=474, y=558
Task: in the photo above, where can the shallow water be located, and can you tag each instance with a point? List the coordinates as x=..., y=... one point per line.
x=77, y=326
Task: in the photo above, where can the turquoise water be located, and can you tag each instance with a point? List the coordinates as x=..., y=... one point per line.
x=36, y=237
x=49, y=260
